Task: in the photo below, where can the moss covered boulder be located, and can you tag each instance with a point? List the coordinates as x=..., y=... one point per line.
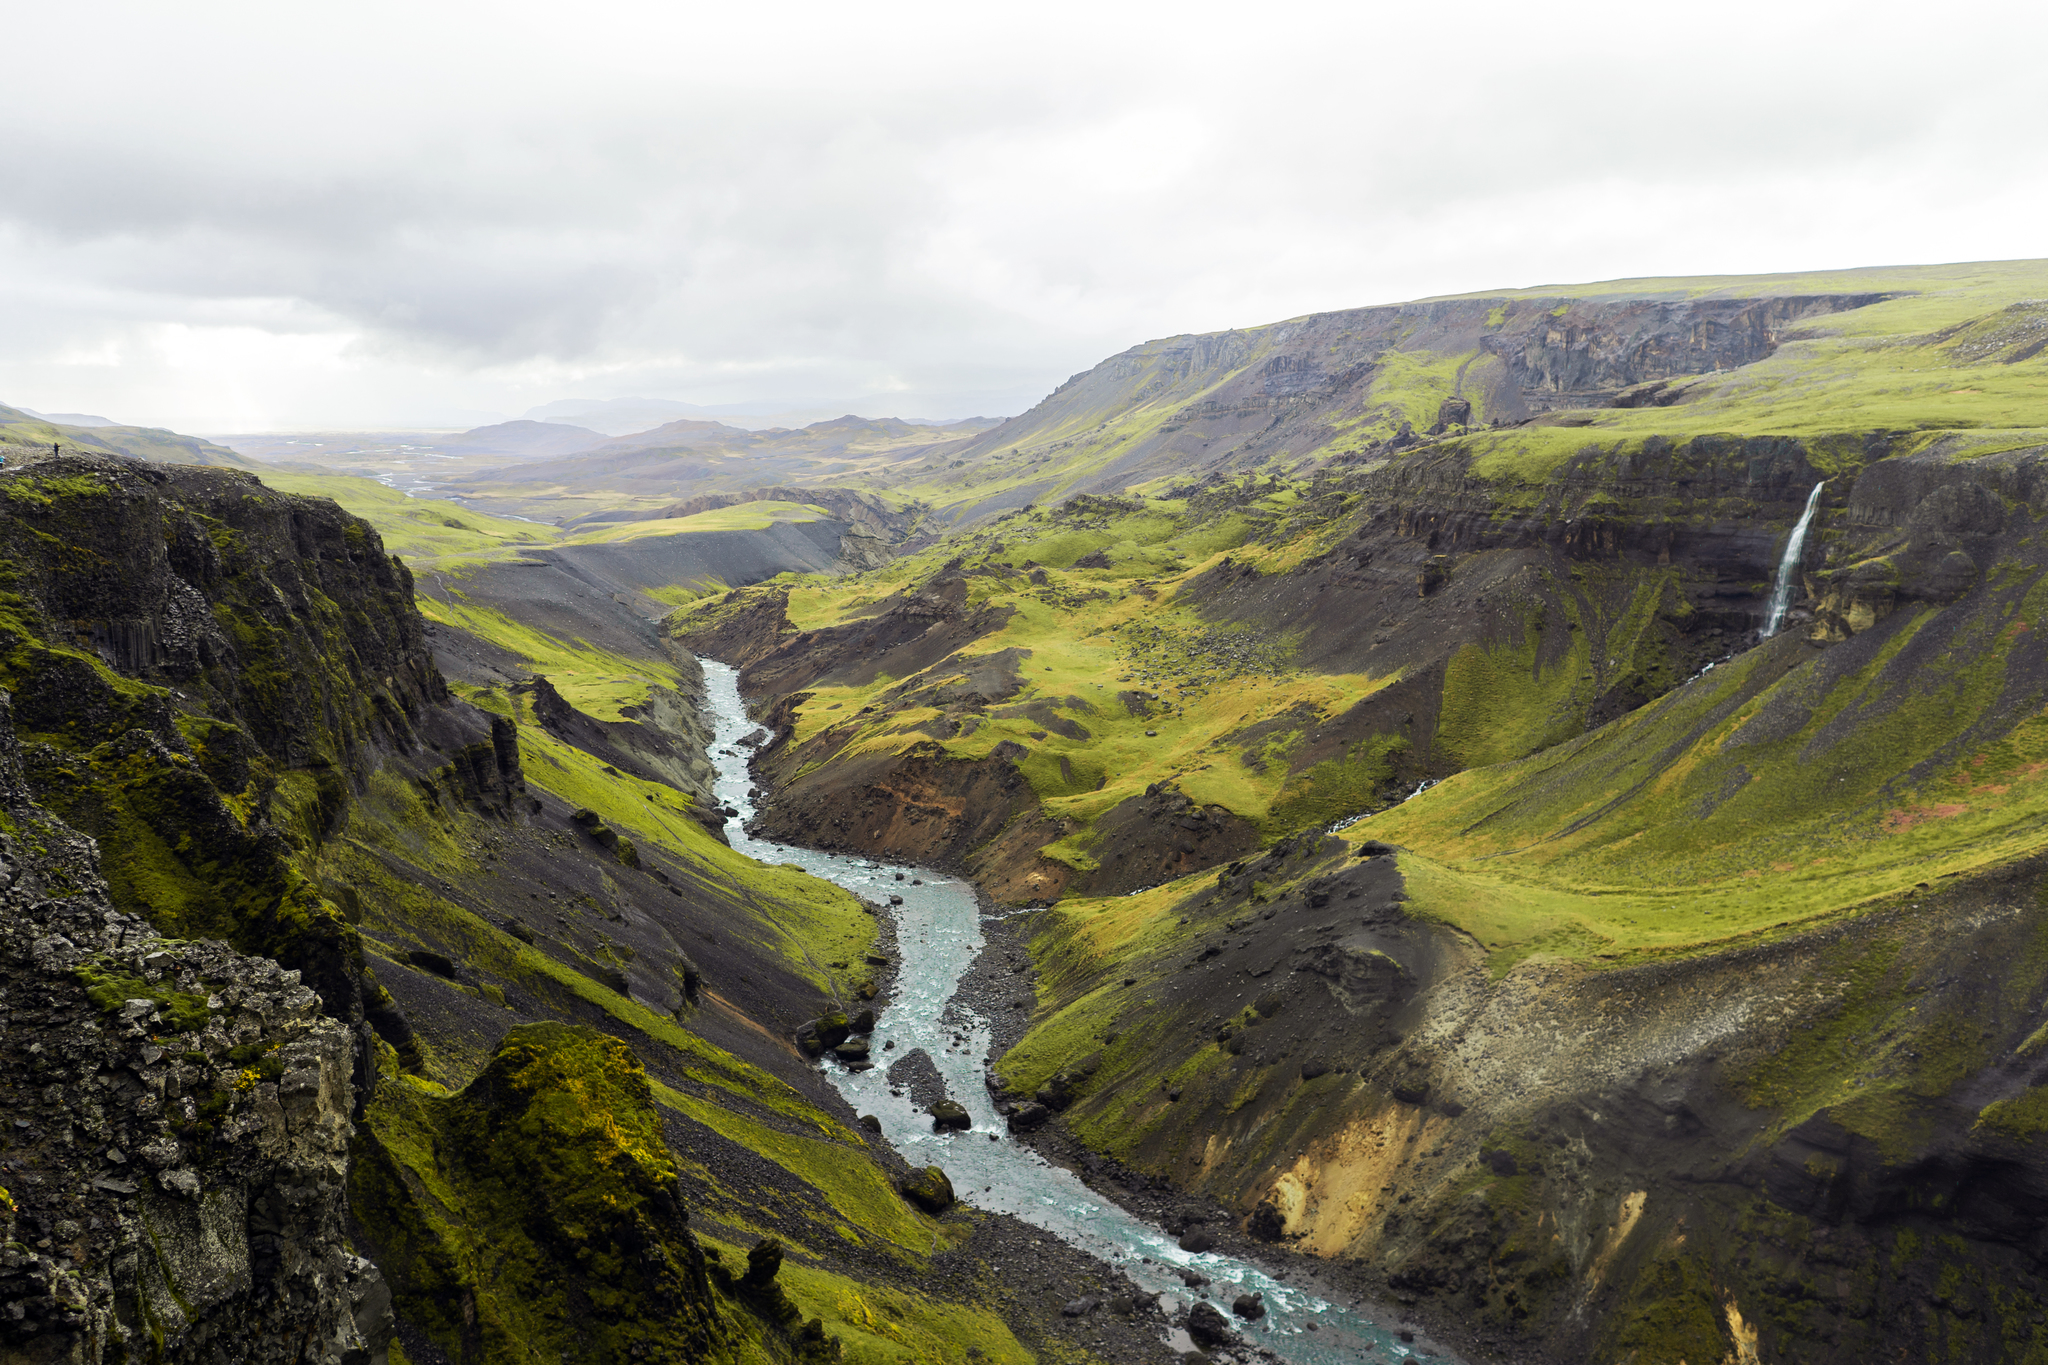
x=826, y=1031
x=929, y=1189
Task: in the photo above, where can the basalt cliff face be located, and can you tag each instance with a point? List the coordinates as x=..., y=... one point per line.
x=206, y=675
x=179, y=1125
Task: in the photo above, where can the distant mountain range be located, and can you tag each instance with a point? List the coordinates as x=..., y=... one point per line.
x=625, y=416
x=523, y=438
x=71, y=419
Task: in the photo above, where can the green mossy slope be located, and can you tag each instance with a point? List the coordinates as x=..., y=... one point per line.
x=536, y=1212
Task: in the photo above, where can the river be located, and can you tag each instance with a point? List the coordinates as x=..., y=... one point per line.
x=938, y=934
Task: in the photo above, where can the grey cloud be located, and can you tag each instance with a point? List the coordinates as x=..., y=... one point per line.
x=514, y=204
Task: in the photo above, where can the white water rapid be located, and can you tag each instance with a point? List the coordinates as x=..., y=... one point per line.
x=938, y=934
x=1781, y=591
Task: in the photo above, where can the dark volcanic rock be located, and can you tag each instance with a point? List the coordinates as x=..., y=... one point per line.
x=826, y=1031
x=1452, y=412
x=929, y=1189
x=91, y=991
x=1250, y=1307
x=950, y=1116
x=1208, y=1327
x=1057, y=1093
x=1028, y=1116
x=437, y=963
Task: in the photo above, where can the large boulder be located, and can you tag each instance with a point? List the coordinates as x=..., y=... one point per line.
x=826, y=1031
x=1028, y=1116
x=950, y=1116
x=1250, y=1307
x=1208, y=1327
x=928, y=1189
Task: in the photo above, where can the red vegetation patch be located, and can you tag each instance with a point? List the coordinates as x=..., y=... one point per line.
x=1899, y=821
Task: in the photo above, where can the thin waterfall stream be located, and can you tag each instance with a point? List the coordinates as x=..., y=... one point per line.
x=1781, y=590
x=938, y=934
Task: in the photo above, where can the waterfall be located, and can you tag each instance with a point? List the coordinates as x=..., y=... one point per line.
x=1781, y=591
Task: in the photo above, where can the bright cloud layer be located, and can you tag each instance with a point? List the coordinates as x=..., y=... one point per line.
x=247, y=216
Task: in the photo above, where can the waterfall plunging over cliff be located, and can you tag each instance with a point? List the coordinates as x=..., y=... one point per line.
x=1781, y=591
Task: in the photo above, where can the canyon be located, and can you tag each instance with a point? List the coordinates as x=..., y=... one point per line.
x=1429, y=854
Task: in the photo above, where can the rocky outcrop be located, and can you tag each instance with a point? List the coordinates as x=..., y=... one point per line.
x=661, y=739
x=928, y=1188
x=505, y=1213
x=279, y=615
x=179, y=1119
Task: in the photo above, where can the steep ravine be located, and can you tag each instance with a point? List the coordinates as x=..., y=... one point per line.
x=938, y=921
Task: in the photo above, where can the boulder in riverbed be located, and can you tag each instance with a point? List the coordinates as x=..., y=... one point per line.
x=950, y=1116
x=1208, y=1327
x=1197, y=1242
x=1250, y=1307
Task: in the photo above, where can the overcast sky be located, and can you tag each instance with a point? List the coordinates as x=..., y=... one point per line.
x=234, y=217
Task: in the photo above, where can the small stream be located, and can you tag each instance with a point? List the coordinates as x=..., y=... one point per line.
x=938, y=934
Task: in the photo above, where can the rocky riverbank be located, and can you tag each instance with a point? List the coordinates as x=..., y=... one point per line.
x=1002, y=985
x=1212, y=1226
